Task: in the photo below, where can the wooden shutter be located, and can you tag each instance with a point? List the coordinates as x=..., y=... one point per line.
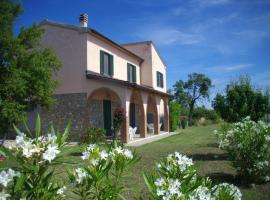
x=128, y=71
x=101, y=62
x=111, y=70
x=134, y=74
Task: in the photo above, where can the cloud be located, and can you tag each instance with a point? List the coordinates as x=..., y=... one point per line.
x=229, y=68
x=252, y=34
x=170, y=36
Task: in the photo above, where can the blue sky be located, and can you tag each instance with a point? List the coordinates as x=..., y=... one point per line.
x=220, y=38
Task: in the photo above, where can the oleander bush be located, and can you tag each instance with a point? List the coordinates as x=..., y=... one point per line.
x=101, y=178
x=248, y=145
x=176, y=179
x=34, y=156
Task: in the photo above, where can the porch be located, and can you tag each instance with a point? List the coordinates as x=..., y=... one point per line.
x=146, y=113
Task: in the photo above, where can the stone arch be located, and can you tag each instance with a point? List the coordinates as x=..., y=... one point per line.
x=152, y=113
x=101, y=104
x=136, y=100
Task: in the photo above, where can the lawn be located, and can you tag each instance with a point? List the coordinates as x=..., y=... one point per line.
x=197, y=142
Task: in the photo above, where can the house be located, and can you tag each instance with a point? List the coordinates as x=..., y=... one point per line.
x=99, y=75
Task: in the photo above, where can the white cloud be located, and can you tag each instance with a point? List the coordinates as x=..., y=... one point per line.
x=170, y=36
x=229, y=68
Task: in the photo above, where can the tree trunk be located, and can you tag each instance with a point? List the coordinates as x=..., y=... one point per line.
x=191, y=108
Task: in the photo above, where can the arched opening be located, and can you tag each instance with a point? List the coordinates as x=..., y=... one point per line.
x=101, y=105
x=136, y=115
x=152, y=118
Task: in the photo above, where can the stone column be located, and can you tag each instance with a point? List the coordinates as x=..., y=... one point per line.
x=125, y=126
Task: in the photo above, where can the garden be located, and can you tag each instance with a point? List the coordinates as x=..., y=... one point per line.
x=207, y=162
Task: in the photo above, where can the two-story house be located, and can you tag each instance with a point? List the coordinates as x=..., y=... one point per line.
x=98, y=75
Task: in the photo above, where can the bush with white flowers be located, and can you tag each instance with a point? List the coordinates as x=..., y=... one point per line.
x=175, y=179
x=248, y=146
x=101, y=176
x=33, y=156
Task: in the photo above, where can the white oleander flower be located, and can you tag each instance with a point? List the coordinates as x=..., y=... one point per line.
x=128, y=154
x=85, y=155
x=61, y=191
x=159, y=182
x=119, y=150
x=7, y=176
x=20, y=139
x=52, y=138
x=27, y=147
x=51, y=152
x=104, y=155
x=160, y=192
x=4, y=195
x=91, y=147
x=81, y=174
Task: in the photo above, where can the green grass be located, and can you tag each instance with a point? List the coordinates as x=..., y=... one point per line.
x=197, y=142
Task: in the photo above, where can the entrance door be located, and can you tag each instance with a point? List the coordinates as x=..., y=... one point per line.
x=107, y=115
x=132, y=115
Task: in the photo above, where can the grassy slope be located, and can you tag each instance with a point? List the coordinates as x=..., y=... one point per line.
x=200, y=144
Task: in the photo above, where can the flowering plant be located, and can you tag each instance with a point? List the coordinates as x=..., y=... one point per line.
x=33, y=156
x=118, y=119
x=176, y=179
x=101, y=177
x=248, y=146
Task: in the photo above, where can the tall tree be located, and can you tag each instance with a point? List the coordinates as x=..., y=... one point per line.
x=26, y=69
x=196, y=88
x=241, y=99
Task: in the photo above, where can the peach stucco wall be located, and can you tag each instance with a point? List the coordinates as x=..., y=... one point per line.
x=152, y=63
x=157, y=65
x=144, y=52
x=94, y=46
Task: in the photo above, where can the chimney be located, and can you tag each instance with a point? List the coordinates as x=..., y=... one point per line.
x=83, y=20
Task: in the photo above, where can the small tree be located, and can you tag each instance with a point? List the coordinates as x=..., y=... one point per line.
x=241, y=99
x=174, y=115
x=26, y=69
x=118, y=119
x=194, y=89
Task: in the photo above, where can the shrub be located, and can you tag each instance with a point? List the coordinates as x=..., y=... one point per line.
x=101, y=178
x=248, y=146
x=174, y=115
x=175, y=178
x=183, y=121
x=34, y=157
x=94, y=135
x=118, y=119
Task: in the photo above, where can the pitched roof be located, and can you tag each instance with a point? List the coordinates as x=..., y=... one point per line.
x=95, y=33
x=148, y=42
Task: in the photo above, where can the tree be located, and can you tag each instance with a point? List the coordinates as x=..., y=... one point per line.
x=174, y=115
x=194, y=89
x=26, y=69
x=241, y=99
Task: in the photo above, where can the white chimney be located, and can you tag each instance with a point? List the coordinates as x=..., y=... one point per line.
x=83, y=20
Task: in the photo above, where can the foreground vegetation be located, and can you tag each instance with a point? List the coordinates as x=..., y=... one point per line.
x=199, y=143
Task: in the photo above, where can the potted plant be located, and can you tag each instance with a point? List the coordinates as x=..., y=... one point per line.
x=118, y=119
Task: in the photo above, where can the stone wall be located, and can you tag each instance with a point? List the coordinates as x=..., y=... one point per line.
x=96, y=113
x=68, y=107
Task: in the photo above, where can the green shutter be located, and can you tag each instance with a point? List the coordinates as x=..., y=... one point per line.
x=101, y=62
x=128, y=71
x=161, y=77
x=157, y=79
x=111, y=70
x=134, y=74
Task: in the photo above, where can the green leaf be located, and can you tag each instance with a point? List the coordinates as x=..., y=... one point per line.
x=37, y=129
x=19, y=183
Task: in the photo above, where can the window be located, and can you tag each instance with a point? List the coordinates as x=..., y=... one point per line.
x=159, y=79
x=106, y=63
x=131, y=73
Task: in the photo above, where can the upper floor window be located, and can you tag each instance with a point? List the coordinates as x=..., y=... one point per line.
x=131, y=73
x=159, y=79
x=106, y=63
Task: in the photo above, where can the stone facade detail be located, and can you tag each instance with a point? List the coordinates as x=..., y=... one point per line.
x=68, y=107
x=96, y=113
